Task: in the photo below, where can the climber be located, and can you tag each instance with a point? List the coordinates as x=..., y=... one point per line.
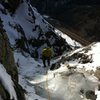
x=46, y=56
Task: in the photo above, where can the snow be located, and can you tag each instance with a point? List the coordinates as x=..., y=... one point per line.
x=98, y=95
x=38, y=83
x=28, y=69
x=12, y=34
x=62, y=86
x=94, y=52
x=22, y=18
x=60, y=83
x=1, y=7
x=39, y=21
x=7, y=82
x=68, y=39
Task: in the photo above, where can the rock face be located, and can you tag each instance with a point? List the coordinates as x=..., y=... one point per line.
x=33, y=31
x=6, y=58
x=81, y=17
x=6, y=55
x=11, y=5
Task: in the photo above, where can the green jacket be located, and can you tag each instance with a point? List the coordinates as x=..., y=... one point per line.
x=47, y=52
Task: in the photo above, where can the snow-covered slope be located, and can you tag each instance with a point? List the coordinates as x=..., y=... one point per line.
x=72, y=77
x=78, y=74
x=7, y=82
x=27, y=30
x=87, y=56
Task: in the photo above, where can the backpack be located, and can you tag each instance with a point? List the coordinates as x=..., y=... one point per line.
x=47, y=52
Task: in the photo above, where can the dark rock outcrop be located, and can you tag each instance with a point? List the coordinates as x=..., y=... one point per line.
x=81, y=17
x=11, y=5
x=7, y=60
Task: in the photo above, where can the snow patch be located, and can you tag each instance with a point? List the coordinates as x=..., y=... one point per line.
x=68, y=39
x=7, y=82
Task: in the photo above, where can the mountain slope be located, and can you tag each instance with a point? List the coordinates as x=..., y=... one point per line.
x=77, y=71
x=22, y=30
x=72, y=77
x=80, y=17
x=27, y=30
x=9, y=86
